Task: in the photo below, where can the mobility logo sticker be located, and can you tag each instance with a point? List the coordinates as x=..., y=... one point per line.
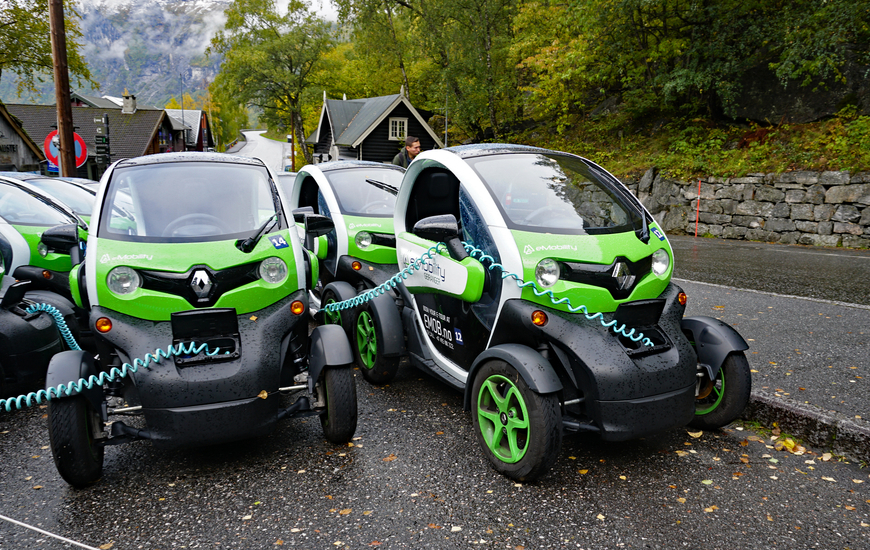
x=105, y=258
x=356, y=225
x=278, y=241
x=658, y=233
x=548, y=248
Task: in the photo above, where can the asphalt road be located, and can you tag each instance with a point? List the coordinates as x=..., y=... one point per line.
x=269, y=151
x=415, y=477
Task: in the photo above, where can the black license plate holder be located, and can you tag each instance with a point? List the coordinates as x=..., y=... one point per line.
x=217, y=328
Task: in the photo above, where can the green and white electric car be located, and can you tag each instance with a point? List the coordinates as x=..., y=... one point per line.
x=360, y=253
x=530, y=236
x=192, y=254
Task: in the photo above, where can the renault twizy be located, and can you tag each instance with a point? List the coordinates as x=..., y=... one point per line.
x=359, y=254
x=198, y=263
x=549, y=304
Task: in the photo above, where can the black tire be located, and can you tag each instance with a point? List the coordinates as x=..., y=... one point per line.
x=536, y=432
x=368, y=349
x=339, y=420
x=721, y=401
x=71, y=423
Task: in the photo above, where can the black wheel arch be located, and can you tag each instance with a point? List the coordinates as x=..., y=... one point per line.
x=537, y=371
x=329, y=349
x=713, y=341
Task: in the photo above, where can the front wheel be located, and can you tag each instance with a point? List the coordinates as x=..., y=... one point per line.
x=518, y=429
x=721, y=401
x=367, y=349
x=72, y=426
x=339, y=420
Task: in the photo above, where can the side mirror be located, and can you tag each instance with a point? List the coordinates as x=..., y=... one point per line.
x=299, y=213
x=442, y=229
x=437, y=228
x=315, y=226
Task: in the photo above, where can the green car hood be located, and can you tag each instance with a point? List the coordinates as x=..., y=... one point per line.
x=180, y=258
x=592, y=249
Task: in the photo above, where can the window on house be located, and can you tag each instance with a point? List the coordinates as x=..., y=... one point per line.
x=398, y=128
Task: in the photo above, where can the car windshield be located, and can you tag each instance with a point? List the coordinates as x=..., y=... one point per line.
x=81, y=201
x=186, y=202
x=538, y=192
x=21, y=208
x=356, y=197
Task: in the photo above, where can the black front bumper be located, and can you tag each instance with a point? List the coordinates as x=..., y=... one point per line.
x=191, y=401
x=625, y=389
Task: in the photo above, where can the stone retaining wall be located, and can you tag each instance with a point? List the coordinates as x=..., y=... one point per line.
x=814, y=208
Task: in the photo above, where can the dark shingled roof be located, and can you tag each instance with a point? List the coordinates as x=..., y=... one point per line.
x=129, y=134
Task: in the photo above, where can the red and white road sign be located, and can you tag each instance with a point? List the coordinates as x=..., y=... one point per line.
x=52, y=148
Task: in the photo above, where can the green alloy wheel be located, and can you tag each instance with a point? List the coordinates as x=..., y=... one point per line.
x=519, y=430
x=71, y=428
x=339, y=420
x=721, y=401
x=330, y=317
x=367, y=349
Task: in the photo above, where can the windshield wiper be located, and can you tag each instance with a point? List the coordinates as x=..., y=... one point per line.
x=250, y=243
x=384, y=186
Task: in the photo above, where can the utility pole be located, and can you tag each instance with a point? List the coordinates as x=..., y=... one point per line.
x=67, y=154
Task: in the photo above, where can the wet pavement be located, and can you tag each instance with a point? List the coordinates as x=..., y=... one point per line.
x=415, y=478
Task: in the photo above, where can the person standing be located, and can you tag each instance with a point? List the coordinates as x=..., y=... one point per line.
x=406, y=155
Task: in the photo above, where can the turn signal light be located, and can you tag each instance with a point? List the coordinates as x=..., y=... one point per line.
x=46, y=274
x=103, y=324
x=297, y=307
x=682, y=298
x=539, y=318
x=356, y=266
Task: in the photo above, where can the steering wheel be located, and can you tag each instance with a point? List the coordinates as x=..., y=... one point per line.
x=195, y=219
x=367, y=209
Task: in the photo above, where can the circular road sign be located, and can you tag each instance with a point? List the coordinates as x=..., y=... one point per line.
x=52, y=148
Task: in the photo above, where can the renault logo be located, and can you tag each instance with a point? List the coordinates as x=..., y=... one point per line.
x=623, y=276
x=201, y=283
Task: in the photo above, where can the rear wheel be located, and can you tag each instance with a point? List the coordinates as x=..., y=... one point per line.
x=339, y=420
x=368, y=349
x=519, y=430
x=721, y=401
x=72, y=426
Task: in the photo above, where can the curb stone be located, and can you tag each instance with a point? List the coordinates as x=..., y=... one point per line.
x=817, y=427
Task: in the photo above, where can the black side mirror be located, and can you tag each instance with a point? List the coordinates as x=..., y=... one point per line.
x=442, y=229
x=64, y=239
x=299, y=213
x=315, y=226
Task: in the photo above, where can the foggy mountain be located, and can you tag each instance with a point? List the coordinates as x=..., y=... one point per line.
x=151, y=48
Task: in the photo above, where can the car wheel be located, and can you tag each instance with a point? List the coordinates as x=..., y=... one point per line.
x=71, y=428
x=367, y=349
x=519, y=430
x=721, y=401
x=339, y=420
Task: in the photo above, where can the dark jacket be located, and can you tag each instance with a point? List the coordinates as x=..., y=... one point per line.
x=402, y=159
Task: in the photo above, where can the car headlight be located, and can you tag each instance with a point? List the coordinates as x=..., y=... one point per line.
x=42, y=249
x=273, y=270
x=547, y=272
x=660, y=262
x=123, y=280
x=363, y=239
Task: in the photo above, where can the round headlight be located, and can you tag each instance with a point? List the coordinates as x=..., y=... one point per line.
x=363, y=239
x=123, y=280
x=547, y=272
x=42, y=249
x=660, y=262
x=273, y=270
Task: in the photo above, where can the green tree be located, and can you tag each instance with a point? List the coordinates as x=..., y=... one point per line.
x=25, y=43
x=269, y=58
